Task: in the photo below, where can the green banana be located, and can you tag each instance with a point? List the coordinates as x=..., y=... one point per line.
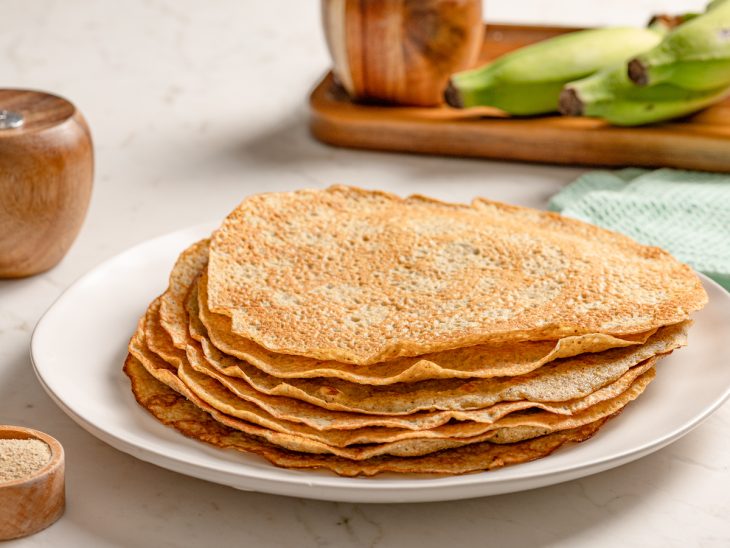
x=610, y=95
x=529, y=80
x=695, y=55
x=638, y=113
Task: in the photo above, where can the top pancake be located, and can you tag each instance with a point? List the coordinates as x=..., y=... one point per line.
x=361, y=277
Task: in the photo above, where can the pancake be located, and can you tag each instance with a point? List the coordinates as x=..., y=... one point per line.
x=367, y=276
x=559, y=380
x=518, y=429
x=483, y=361
x=480, y=361
x=296, y=410
x=227, y=408
x=186, y=270
x=513, y=427
x=174, y=410
x=324, y=419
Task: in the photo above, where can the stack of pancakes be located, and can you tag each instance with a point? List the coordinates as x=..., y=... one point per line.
x=361, y=332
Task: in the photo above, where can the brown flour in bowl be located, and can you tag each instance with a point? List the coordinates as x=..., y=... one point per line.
x=21, y=458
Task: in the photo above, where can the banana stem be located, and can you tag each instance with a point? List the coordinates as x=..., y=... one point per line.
x=570, y=103
x=638, y=72
x=452, y=97
x=666, y=22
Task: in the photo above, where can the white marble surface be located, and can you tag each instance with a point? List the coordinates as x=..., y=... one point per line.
x=193, y=105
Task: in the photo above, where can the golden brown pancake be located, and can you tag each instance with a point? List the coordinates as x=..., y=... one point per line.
x=482, y=361
x=362, y=277
x=292, y=436
x=173, y=409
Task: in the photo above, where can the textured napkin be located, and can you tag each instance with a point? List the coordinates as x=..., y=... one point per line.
x=685, y=212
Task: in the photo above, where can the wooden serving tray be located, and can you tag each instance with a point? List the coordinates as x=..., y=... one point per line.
x=700, y=142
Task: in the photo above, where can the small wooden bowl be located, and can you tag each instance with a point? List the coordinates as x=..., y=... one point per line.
x=46, y=174
x=31, y=504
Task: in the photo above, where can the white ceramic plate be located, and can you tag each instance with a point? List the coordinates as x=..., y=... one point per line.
x=79, y=345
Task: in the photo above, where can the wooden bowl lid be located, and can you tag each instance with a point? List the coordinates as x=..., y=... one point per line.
x=39, y=110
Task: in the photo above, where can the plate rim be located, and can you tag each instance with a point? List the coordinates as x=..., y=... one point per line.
x=336, y=488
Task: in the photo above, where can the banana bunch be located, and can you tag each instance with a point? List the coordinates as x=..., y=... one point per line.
x=529, y=80
x=688, y=71
x=627, y=76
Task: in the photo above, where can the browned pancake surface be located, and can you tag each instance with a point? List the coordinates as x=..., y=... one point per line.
x=361, y=277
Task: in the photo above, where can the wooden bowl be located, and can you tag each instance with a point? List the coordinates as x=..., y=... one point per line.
x=46, y=173
x=33, y=503
x=401, y=51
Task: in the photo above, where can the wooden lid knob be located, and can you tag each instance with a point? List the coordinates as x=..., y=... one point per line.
x=46, y=174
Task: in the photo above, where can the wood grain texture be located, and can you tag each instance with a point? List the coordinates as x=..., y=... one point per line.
x=31, y=504
x=699, y=142
x=401, y=51
x=46, y=174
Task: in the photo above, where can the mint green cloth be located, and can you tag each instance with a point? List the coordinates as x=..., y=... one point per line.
x=685, y=212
